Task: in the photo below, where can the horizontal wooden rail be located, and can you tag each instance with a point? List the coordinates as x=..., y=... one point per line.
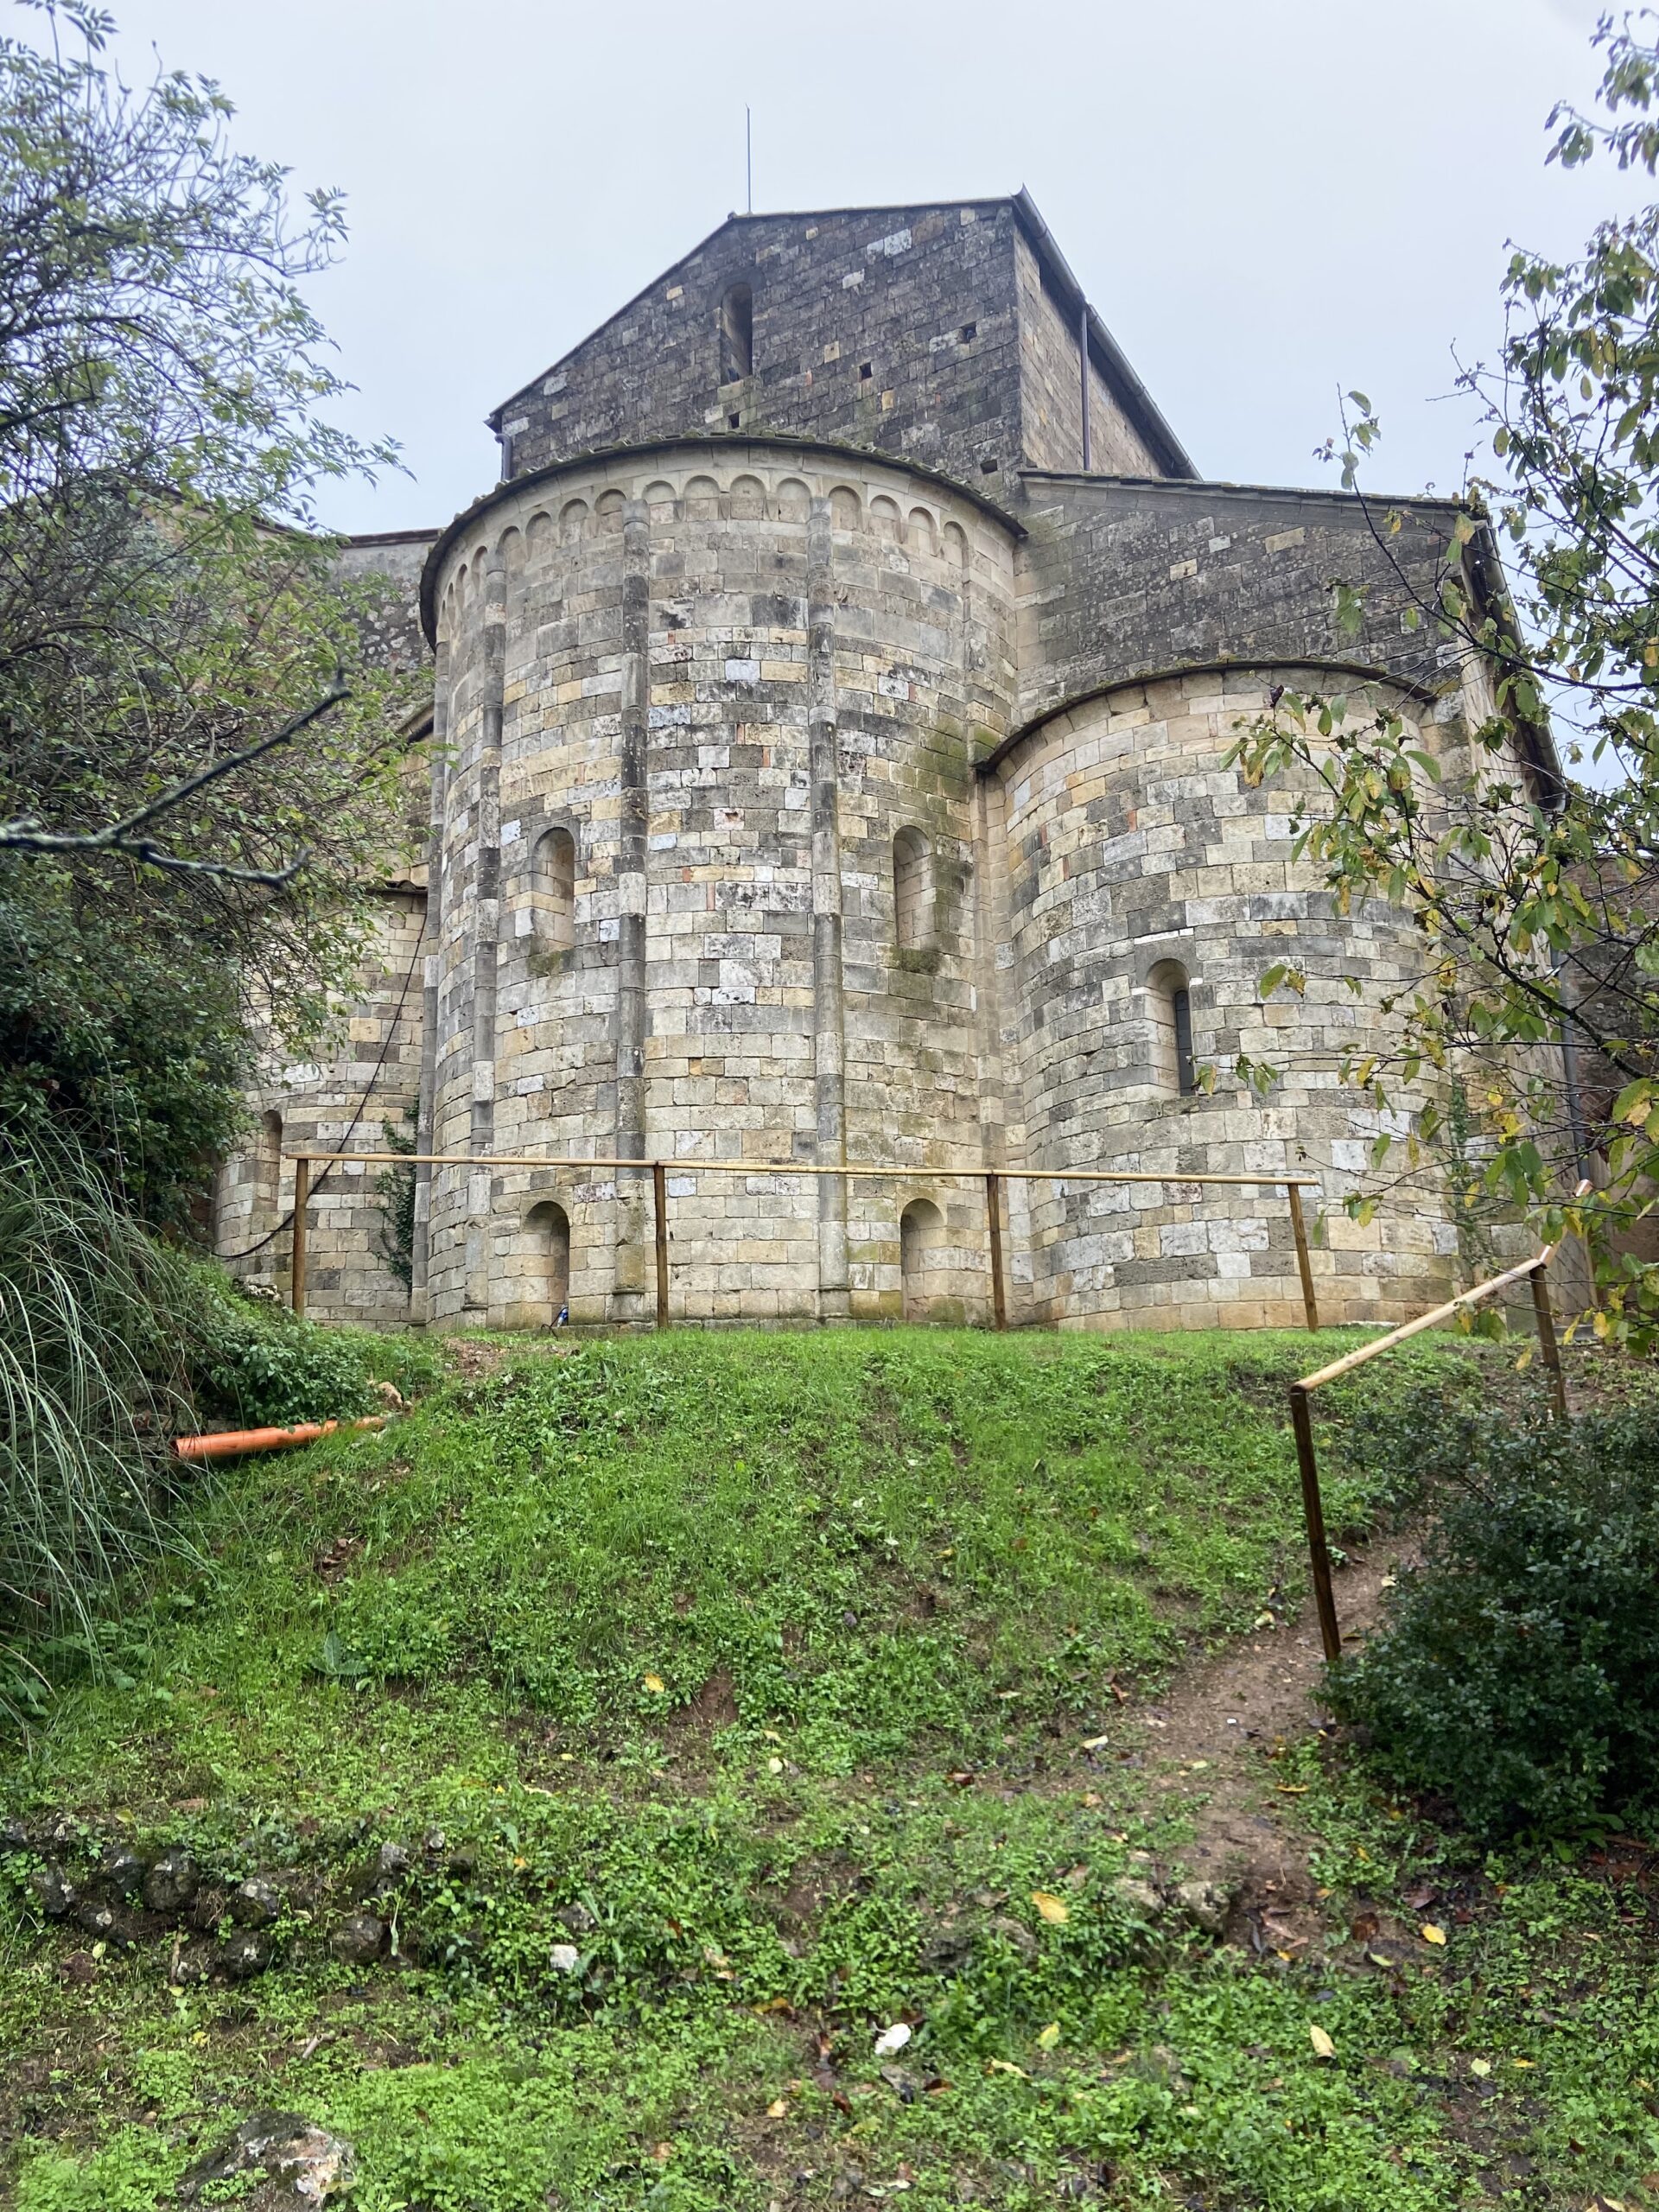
x=1265, y=1182
x=659, y=1170
x=1301, y=1416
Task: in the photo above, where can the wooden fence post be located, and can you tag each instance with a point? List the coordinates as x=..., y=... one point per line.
x=1301, y=1420
x=994, y=1215
x=301, y=1199
x=1299, y=1230
x=1549, y=1350
x=659, y=1195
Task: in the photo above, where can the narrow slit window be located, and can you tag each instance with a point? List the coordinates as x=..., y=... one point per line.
x=1169, y=1003
x=1180, y=1004
x=737, y=334
x=912, y=890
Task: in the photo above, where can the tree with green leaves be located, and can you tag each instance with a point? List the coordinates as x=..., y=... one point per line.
x=196, y=763
x=1534, y=1034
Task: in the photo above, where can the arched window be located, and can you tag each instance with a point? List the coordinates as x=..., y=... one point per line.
x=553, y=890
x=1170, y=1001
x=737, y=334
x=921, y=1230
x=912, y=890
x=549, y=1228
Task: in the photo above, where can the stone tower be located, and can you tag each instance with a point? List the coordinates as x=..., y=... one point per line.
x=830, y=708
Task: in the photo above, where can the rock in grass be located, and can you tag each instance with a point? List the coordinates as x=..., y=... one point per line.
x=124, y=1870
x=1206, y=1902
x=359, y=1940
x=299, y=2166
x=1137, y=1898
x=564, y=1958
x=54, y=1892
x=243, y=1955
x=1016, y=1934
x=171, y=1883
x=255, y=1903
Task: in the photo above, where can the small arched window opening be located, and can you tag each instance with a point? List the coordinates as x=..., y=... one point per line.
x=921, y=1230
x=912, y=890
x=1170, y=995
x=549, y=1228
x=553, y=890
x=737, y=334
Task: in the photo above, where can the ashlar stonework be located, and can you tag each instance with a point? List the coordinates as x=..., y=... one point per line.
x=830, y=710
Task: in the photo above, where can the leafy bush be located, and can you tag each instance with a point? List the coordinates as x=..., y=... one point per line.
x=252, y=1362
x=1517, y=1674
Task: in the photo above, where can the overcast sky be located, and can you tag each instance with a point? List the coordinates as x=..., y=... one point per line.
x=1266, y=199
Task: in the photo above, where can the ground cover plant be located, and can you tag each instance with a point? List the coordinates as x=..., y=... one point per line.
x=726, y=1771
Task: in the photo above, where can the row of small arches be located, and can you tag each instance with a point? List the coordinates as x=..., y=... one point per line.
x=701, y=499
x=921, y=1238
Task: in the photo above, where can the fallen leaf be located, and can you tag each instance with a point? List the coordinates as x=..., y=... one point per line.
x=1431, y=1933
x=1089, y=1797
x=1323, y=2046
x=1053, y=1910
x=892, y=2039
x=777, y=2108
x=992, y=2066
x=655, y=1684
x=774, y=1766
x=1050, y=2035
x=1264, y=1620
x=1480, y=2068
x=1096, y=1743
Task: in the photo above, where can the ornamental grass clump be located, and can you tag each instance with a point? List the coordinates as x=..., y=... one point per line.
x=92, y=1382
x=1517, y=1674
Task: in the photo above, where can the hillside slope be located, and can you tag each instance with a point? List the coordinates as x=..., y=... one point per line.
x=716, y=1772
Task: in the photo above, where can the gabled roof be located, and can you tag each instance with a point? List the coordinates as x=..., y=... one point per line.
x=1104, y=351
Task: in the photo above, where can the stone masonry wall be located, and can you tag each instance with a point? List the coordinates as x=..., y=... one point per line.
x=1122, y=579
x=1136, y=861
x=922, y=333
x=335, y=1104
x=731, y=691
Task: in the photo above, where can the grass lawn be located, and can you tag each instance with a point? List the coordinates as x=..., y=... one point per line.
x=688, y=1712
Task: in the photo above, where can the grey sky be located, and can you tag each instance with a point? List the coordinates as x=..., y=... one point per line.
x=1266, y=200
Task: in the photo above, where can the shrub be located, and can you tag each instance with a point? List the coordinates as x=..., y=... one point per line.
x=1517, y=1672
x=252, y=1362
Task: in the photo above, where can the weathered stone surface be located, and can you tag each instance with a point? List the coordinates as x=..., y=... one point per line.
x=826, y=770
x=256, y=1903
x=1208, y=1904
x=360, y=1939
x=300, y=2166
x=54, y=1893
x=171, y=1883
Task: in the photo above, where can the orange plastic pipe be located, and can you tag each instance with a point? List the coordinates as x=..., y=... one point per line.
x=233, y=1440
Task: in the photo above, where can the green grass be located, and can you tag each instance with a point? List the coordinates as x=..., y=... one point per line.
x=858, y=1565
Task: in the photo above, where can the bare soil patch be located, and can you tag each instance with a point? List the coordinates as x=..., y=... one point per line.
x=1209, y=1742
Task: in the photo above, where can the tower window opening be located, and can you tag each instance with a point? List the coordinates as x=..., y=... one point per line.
x=866, y=371
x=737, y=335
x=733, y=422
x=553, y=890
x=550, y=1228
x=912, y=890
x=921, y=1232
x=1171, y=999
x=968, y=332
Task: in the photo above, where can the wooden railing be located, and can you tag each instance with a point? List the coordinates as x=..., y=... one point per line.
x=992, y=1178
x=1301, y=1416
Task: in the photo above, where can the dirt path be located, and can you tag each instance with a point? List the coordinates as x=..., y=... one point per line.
x=1205, y=1742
